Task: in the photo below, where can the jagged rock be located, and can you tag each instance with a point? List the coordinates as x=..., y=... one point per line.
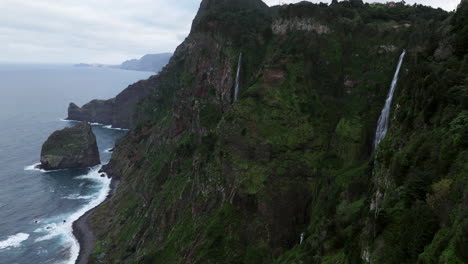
x=71, y=147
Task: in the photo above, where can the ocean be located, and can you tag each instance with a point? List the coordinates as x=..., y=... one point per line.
x=37, y=208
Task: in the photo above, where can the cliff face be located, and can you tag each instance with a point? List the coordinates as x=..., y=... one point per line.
x=286, y=174
x=119, y=111
x=73, y=147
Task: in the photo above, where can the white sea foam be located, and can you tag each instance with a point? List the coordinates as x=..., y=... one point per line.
x=71, y=120
x=78, y=197
x=102, y=195
x=97, y=124
x=34, y=167
x=108, y=150
x=115, y=128
x=14, y=241
x=42, y=251
x=57, y=226
x=37, y=221
x=52, y=230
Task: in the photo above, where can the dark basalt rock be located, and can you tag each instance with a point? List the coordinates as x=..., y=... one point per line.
x=71, y=147
x=96, y=111
x=118, y=111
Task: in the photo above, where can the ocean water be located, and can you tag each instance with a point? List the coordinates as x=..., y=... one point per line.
x=37, y=208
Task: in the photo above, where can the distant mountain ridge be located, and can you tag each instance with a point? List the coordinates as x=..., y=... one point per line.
x=149, y=62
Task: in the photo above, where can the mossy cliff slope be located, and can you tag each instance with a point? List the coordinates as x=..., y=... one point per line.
x=208, y=180
x=71, y=147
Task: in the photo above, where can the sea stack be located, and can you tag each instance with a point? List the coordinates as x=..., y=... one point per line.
x=71, y=147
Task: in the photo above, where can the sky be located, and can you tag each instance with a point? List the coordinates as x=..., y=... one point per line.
x=104, y=31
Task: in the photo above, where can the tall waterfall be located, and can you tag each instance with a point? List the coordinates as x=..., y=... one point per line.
x=382, y=125
x=236, y=88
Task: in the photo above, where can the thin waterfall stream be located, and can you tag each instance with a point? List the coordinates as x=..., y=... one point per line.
x=381, y=131
x=236, y=88
x=382, y=124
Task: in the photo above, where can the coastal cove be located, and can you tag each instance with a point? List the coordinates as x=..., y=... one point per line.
x=38, y=208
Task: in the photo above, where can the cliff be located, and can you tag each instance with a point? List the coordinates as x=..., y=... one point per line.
x=287, y=173
x=119, y=111
x=71, y=147
x=149, y=62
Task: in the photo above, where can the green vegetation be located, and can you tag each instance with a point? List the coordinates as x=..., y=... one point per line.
x=205, y=180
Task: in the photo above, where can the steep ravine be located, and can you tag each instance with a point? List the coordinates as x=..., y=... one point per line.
x=205, y=179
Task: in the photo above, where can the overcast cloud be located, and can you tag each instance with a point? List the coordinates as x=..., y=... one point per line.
x=102, y=31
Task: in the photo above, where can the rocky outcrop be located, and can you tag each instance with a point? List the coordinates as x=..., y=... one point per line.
x=71, y=147
x=97, y=111
x=117, y=111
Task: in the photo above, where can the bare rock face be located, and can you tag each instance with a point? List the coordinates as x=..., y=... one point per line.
x=444, y=51
x=282, y=26
x=71, y=147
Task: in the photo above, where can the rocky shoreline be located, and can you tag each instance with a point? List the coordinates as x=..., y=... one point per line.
x=83, y=232
x=85, y=237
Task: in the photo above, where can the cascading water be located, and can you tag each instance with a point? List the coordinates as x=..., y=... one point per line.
x=236, y=88
x=382, y=125
x=380, y=133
